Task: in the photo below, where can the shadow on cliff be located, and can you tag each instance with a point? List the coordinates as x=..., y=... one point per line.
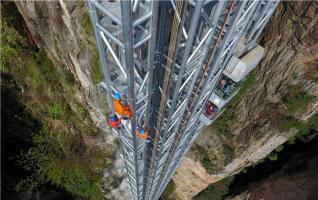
x=291, y=175
x=18, y=124
x=17, y=127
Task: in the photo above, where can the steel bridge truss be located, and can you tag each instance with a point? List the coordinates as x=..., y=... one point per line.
x=166, y=57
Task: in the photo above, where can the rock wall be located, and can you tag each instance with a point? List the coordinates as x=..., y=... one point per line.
x=292, y=49
x=63, y=29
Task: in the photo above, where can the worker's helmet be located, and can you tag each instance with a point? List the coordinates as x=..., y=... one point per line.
x=142, y=131
x=113, y=118
x=117, y=95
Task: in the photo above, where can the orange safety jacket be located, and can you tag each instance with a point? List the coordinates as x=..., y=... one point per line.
x=121, y=109
x=142, y=136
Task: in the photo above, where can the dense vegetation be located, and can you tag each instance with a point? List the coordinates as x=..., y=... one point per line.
x=47, y=135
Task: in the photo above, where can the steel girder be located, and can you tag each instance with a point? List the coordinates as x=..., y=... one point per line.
x=125, y=36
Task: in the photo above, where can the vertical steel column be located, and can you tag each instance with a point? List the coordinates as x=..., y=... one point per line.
x=187, y=145
x=192, y=30
x=261, y=21
x=151, y=55
x=166, y=76
x=183, y=66
x=102, y=51
x=218, y=60
x=129, y=60
x=177, y=158
x=151, y=66
x=264, y=21
x=205, y=51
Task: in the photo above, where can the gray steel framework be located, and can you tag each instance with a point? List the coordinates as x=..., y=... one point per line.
x=166, y=57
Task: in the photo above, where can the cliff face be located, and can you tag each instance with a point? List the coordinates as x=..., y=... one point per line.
x=63, y=30
x=280, y=96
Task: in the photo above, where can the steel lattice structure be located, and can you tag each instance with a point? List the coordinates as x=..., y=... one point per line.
x=166, y=58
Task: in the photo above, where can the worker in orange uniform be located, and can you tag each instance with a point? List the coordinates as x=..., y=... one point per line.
x=143, y=134
x=113, y=121
x=120, y=107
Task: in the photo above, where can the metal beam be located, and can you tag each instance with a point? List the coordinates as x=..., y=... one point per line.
x=103, y=62
x=129, y=61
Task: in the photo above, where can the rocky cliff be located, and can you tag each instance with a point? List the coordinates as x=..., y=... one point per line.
x=274, y=104
x=63, y=30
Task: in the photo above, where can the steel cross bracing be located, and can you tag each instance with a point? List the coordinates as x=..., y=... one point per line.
x=166, y=57
x=125, y=35
x=237, y=32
